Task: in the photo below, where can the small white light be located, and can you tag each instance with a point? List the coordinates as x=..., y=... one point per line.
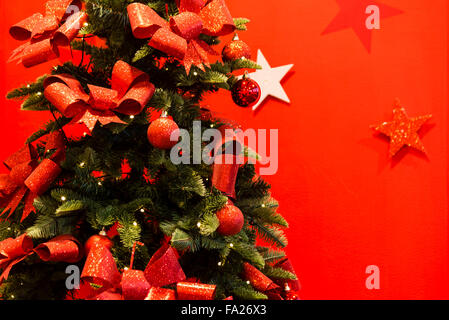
x=247, y=282
x=231, y=245
x=198, y=224
x=9, y=229
x=99, y=183
x=212, y=125
x=82, y=164
x=28, y=86
x=135, y=224
x=39, y=93
x=85, y=134
x=126, y=268
x=12, y=297
x=142, y=210
x=63, y=198
x=85, y=24
x=195, y=73
x=219, y=264
x=263, y=206
x=131, y=117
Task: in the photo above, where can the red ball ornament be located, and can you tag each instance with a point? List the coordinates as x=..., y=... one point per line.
x=291, y=295
x=231, y=220
x=101, y=239
x=246, y=92
x=236, y=49
x=160, y=131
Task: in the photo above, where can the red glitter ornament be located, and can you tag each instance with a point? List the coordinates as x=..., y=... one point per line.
x=246, y=92
x=231, y=220
x=236, y=49
x=98, y=239
x=161, y=130
x=291, y=295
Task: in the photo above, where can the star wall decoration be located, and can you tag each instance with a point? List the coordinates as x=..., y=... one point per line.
x=269, y=80
x=403, y=131
x=353, y=14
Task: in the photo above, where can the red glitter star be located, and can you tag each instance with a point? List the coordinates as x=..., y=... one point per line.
x=403, y=131
x=353, y=15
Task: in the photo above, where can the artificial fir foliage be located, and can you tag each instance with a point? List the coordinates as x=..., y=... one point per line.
x=114, y=178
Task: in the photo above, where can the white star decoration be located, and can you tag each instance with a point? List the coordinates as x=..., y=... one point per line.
x=269, y=80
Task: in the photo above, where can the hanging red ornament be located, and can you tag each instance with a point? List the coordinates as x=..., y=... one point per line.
x=291, y=295
x=231, y=220
x=236, y=49
x=163, y=133
x=101, y=239
x=246, y=92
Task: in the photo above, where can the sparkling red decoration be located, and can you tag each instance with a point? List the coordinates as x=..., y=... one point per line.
x=28, y=178
x=224, y=176
x=63, y=248
x=160, y=132
x=246, y=92
x=195, y=291
x=100, y=268
x=291, y=295
x=130, y=91
x=101, y=239
x=231, y=220
x=403, y=131
x=180, y=37
x=257, y=279
x=236, y=49
x=164, y=268
x=46, y=33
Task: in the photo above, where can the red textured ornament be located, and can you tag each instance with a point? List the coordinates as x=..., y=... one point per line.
x=236, y=49
x=98, y=239
x=291, y=295
x=246, y=92
x=231, y=220
x=160, y=131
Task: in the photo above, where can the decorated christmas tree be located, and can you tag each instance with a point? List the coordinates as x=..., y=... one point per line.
x=112, y=202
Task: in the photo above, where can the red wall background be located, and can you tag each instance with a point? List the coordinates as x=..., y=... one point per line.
x=348, y=204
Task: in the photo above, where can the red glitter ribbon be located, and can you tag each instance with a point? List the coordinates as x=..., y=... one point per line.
x=27, y=178
x=130, y=91
x=45, y=33
x=180, y=37
x=162, y=270
x=260, y=282
x=64, y=248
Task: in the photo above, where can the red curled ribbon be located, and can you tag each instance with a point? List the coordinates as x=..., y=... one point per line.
x=162, y=270
x=259, y=281
x=63, y=248
x=28, y=178
x=180, y=37
x=130, y=91
x=46, y=33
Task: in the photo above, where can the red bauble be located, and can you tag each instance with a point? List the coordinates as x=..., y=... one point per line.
x=246, y=92
x=291, y=295
x=231, y=220
x=101, y=239
x=160, y=131
x=236, y=49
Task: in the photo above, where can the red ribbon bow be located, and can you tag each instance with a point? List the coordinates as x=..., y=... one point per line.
x=180, y=37
x=28, y=178
x=162, y=270
x=47, y=33
x=131, y=90
x=63, y=248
